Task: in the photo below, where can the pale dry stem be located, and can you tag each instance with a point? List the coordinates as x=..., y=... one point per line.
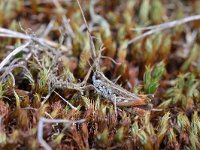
x=161, y=27
x=45, y=120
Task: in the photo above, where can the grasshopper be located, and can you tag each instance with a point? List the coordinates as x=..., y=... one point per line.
x=119, y=96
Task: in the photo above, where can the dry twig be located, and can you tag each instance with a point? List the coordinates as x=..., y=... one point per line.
x=66, y=101
x=91, y=39
x=45, y=42
x=45, y=120
x=13, y=53
x=160, y=27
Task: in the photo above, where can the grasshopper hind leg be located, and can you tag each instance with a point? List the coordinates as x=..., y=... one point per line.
x=114, y=100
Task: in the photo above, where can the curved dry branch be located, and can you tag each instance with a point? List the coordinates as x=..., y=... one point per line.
x=160, y=27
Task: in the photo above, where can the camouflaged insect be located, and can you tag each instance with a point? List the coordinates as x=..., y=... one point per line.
x=116, y=93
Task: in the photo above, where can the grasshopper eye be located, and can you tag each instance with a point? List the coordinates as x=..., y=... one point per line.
x=96, y=75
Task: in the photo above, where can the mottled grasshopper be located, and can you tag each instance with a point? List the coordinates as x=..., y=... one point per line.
x=118, y=95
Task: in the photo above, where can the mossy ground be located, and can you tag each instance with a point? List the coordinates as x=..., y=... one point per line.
x=165, y=64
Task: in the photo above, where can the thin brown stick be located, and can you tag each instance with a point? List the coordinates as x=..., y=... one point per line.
x=65, y=101
x=40, y=2
x=106, y=57
x=48, y=28
x=91, y=40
